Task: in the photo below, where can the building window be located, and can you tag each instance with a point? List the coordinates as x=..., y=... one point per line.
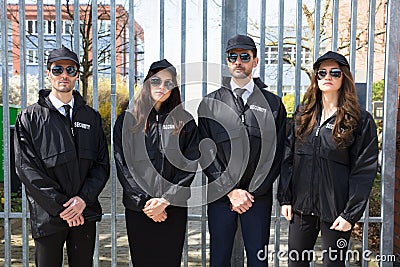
x=9, y=27
x=67, y=26
x=104, y=28
x=271, y=55
x=31, y=26
x=50, y=27
x=10, y=57
x=32, y=56
x=105, y=58
x=289, y=52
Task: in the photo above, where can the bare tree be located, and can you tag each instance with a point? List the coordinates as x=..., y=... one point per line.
x=86, y=40
x=325, y=23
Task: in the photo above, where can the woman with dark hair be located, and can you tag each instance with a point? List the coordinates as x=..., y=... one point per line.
x=156, y=152
x=329, y=165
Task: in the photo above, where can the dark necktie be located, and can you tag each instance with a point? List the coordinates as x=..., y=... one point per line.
x=67, y=109
x=239, y=92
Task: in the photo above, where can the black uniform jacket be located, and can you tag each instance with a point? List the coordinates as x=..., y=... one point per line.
x=159, y=163
x=245, y=150
x=54, y=165
x=319, y=178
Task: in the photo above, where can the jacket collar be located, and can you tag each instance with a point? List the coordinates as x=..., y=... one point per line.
x=45, y=101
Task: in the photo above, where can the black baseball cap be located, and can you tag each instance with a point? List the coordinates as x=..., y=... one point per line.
x=330, y=55
x=161, y=65
x=240, y=41
x=62, y=53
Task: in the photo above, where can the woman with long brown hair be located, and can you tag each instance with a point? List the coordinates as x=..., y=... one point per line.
x=156, y=152
x=329, y=165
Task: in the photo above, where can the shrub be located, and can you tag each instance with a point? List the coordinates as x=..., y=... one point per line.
x=104, y=98
x=288, y=101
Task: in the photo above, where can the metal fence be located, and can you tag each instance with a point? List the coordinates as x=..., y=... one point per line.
x=285, y=36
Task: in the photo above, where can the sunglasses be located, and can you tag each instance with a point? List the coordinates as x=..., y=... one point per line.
x=156, y=81
x=244, y=57
x=335, y=73
x=58, y=70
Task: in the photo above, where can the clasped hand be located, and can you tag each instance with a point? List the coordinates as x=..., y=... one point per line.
x=155, y=209
x=73, y=212
x=241, y=200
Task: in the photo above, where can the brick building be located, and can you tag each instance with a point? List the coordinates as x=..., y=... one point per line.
x=49, y=33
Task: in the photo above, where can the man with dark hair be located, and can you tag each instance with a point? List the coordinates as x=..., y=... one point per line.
x=246, y=125
x=62, y=159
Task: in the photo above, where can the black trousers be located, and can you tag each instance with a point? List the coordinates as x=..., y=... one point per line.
x=303, y=233
x=255, y=225
x=156, y=244
x=79, y=240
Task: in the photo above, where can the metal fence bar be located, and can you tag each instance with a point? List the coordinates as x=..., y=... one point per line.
x=132, y=51
x=370, y=73
x=183, y=97
x=40, y=42
x=113, y=118
x=95, y=56
x=299, y=33
x=370, y=56
x=223, y=34
x=203, y=177
x=95, y=100
x=262, y=38
x=162, y=36
x=317, y=28
x=58, y=28
x=389, y=128
x=281, y=26
x=4, y=78
x=23, y=91
x=183, y=49
x=335, y=24
x=76, y=37
x=353, y=30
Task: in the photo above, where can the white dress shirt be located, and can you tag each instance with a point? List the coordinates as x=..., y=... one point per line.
x=249, y=89
x=58, y=104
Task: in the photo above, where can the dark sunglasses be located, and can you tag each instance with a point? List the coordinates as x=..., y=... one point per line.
x=58, y=70
x=156, y=81
x=244, y=57
x=335, y=73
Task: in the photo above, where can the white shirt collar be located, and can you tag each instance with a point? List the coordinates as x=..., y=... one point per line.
x=249, y=89
x=248, y=86
x=58, y=104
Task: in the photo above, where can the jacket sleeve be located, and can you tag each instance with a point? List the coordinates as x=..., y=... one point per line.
x=364, y=159
x=184, y=178
x=207, y=152
x=209, y=161
x=100, y=170
x=130, y=187
x=285, y=180
x=42, y=188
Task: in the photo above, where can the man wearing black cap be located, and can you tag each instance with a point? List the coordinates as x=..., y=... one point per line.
x=247, y=125
x=62, y=159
